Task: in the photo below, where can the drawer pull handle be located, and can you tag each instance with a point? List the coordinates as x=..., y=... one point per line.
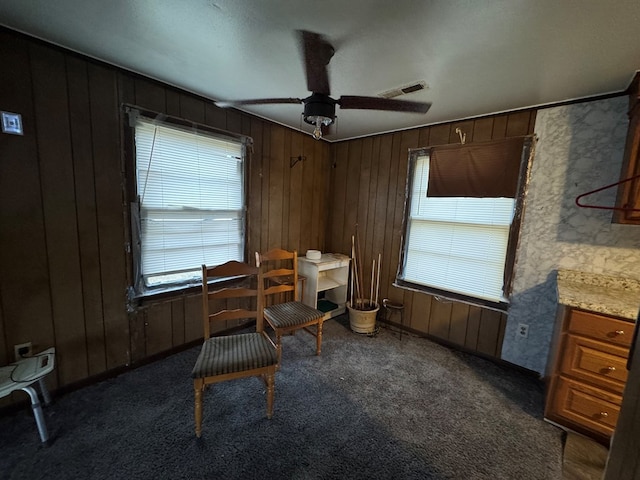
x=604, y=414
x=619, y=332
x=611, y=369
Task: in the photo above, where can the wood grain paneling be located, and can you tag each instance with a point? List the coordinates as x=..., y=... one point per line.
x=86, y=211
x=25, y=296
x=320, y=193
x=338, y=204
x=276, y=187
x=374, y=167
x=459, y=323
x=234, y=121
x=482, y=130
x=137, y=332
x=254, y=186
x=172, y=105
x=369, y=187
x=350, y=212
x=295, y=192
x=158, y=328
x=177, y=322
x=150, y=95
x=265, y=174
x=59, y=208
x=213, y=116
x=105, y=130
x=440, y=318
x=191, y=108
x=286, y=186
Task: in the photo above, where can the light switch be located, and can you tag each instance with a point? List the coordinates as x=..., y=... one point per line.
x=12, y=123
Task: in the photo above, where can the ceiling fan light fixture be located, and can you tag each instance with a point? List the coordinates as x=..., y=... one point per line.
x=318, y=121
x=319, y=111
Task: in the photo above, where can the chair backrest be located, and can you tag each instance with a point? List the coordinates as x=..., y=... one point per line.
x=245, y=293
x=279, y=269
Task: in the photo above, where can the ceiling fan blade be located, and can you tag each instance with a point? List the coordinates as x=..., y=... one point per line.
x=379, y=103
x=257, y=101
x=317, y=54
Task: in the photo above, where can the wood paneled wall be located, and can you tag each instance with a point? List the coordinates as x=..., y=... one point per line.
x=368, y=192
x=64, y=226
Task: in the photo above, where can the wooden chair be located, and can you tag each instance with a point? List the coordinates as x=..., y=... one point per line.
x=233, y=356
x=279, y=269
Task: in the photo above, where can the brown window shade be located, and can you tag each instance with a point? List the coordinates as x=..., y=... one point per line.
x=488, y=169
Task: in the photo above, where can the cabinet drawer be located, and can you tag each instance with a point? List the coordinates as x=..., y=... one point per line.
x=597, y=362
x=587, y=406
x=601, y=328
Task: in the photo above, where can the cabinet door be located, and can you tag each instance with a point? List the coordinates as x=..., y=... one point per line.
x=599, y=363
x=599, y=327
x=587, y=406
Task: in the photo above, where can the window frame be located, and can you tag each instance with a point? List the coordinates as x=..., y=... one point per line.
x=526, y=159
x=137, y=290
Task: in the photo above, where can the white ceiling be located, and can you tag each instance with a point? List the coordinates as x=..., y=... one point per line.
x=476, y=56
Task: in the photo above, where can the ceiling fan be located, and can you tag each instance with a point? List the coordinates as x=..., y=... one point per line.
x=319, y=107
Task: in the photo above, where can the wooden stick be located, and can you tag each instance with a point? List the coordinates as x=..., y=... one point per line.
x=358, y=285
x=355, y=275
x=352, y=271
x=378, y=282
x=373, y=269
x=360, y=264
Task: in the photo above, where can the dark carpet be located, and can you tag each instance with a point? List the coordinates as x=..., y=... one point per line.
x=369, y=407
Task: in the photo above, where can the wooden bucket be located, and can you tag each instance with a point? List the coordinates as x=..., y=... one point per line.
x=363, y=321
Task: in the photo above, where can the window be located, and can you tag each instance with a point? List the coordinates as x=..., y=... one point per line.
x=190, y=207
x=457, y=246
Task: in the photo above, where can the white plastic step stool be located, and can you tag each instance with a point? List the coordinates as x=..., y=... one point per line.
x=22, y=375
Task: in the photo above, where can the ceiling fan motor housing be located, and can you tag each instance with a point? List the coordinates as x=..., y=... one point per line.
x=319, y=105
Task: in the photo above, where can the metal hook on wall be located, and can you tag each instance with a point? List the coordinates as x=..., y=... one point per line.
x=294, y=160
x=463, y=136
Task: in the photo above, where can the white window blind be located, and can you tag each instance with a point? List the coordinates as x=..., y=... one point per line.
x=191, y=196
x=456, y=244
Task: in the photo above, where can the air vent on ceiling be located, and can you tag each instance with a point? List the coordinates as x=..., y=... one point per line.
x=396, y=92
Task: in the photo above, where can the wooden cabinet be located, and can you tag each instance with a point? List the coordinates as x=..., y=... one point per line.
x=589, y=372
x=629, y=192
x=326, y=284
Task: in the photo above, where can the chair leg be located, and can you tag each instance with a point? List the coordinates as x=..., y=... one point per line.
x=198, y=387
x=37, y=413
x=319, y=338
x=278, y=348
x=270, y=390
x=46, y=396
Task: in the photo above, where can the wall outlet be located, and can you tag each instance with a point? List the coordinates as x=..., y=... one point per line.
x=523, y=330
x=22, y=350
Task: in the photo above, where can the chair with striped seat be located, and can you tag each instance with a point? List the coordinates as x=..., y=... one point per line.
x=233, y=356
x=279, y=271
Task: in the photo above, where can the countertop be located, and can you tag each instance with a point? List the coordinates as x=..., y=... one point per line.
x=616, y=296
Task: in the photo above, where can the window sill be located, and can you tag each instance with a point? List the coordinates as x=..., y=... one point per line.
x=446, y=296
x=160, y=294
x=140, y=300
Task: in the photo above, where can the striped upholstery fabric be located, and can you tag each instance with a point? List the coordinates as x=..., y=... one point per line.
x=234, y=353
x=290, y=314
